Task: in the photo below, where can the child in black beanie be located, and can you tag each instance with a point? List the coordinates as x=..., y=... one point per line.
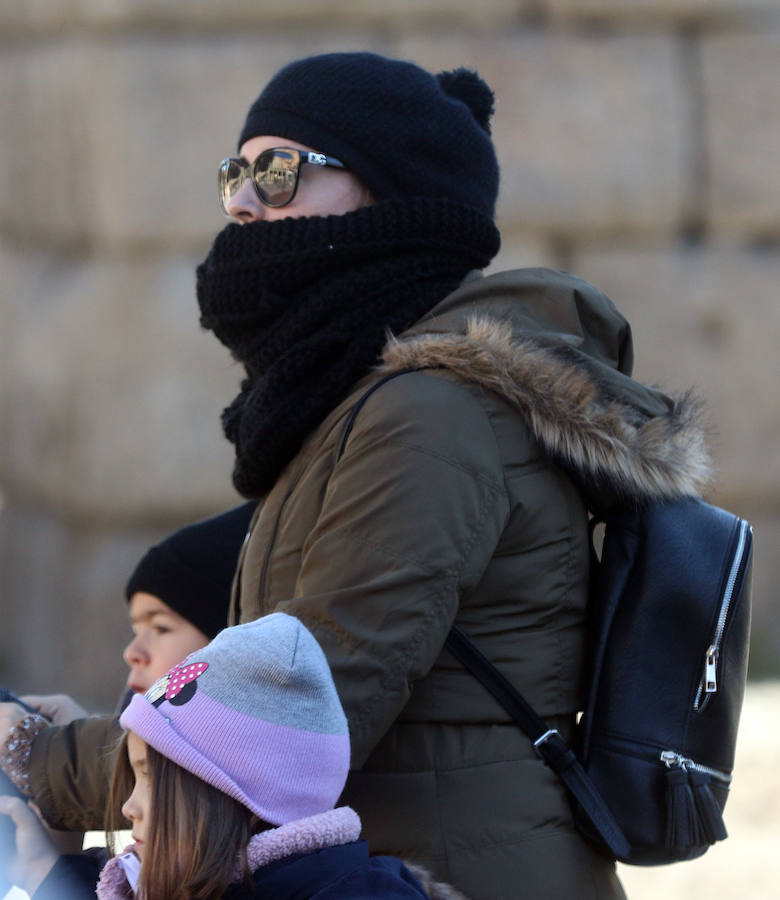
x=178, y=597
x=179, y=593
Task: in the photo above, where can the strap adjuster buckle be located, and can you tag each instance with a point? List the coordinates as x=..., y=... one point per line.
x=540, y=741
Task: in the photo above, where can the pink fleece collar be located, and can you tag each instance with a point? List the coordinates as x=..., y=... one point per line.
x=328, y=829
x=113, y=884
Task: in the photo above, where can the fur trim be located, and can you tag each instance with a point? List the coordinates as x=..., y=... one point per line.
x=574, y=408
x=436, y=890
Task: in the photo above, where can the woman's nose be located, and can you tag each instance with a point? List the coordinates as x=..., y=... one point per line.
x=245, y=205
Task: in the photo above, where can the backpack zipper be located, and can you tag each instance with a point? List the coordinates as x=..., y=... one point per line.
x=709, y=683
x=671, y=758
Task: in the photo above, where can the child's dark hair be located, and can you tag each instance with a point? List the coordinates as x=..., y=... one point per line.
x=193, y=848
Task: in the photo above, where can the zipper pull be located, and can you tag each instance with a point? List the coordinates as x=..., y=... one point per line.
x=710, y=678
x=671, y=759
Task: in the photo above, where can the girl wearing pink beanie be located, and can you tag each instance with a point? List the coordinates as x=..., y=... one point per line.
x=229, y=773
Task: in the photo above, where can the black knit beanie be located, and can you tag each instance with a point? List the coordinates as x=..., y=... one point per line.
x=192, y=569
x=402, y=130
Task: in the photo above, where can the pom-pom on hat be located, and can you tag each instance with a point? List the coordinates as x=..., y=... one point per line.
x=402, y=130
x=256, y=715
x=192, y=569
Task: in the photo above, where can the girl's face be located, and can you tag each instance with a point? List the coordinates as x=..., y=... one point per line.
x=162, y=639
x=321, y=191
x=137, y=807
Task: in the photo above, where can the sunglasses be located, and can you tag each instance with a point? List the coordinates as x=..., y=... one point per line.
x=274, y=175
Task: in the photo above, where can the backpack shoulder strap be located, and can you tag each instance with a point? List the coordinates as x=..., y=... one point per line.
x=353, y=413
x=547, y=742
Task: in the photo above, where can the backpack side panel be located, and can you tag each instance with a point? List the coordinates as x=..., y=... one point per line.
x=673, y=582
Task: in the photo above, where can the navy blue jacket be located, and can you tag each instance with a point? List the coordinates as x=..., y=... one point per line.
x=346, y=872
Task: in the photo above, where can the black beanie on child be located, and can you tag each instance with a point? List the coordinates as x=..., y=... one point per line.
x=192, y=569
x=402, y=130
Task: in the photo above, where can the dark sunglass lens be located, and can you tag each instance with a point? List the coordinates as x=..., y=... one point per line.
x=275, y=174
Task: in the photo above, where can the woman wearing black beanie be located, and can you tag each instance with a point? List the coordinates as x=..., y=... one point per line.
x=455, y=493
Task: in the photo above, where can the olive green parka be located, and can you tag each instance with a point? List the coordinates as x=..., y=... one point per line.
x=454, y=498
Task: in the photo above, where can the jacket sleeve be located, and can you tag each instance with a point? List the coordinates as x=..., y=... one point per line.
x=70, y=772
x=410, y=518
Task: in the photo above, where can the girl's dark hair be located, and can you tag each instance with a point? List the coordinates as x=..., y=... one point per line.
x=191, y=849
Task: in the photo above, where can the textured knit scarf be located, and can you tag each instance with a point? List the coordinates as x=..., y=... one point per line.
x=305, y=304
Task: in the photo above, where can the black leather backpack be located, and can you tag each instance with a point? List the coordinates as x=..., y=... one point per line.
x=651, y=766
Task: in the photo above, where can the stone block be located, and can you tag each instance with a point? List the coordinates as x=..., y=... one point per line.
x=708, y=319
x=765, y=626
x=592, y=132
x=741, y=94
x=129, y=157
x=57, y=637
x=38, y=15
x=64, y=611
x=47, y=155
x=521, y=250
x=111, y=391
x=663, y=12
x=577, y=127
x=405, y=14
x=47, y=15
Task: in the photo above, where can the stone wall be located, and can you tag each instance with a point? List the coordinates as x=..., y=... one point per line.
x=639, y=145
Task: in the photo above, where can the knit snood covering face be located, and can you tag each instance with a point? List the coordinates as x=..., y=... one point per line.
x=306, y=304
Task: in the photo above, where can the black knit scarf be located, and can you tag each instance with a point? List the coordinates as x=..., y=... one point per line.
x=306, y=304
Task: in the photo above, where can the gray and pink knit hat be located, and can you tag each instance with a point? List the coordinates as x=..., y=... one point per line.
x=255, y=714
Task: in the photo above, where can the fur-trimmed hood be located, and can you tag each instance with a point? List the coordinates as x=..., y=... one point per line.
x=558, y=350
